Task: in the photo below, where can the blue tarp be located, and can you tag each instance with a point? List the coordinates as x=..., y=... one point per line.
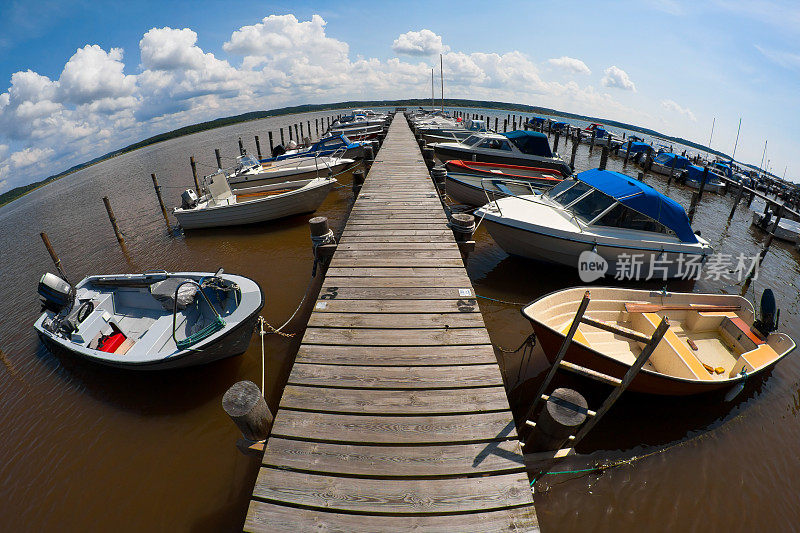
x=665, y=158
x=696, y=174
x=560, y=124
x=642, y=198
x=530, y=142
x=536, y=120
x=726, y=171
x=637, y=147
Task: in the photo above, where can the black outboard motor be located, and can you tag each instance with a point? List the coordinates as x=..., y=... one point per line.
x=770, y=315
x=278, y=150
x=56, y=294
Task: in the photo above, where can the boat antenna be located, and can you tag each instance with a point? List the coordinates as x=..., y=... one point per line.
x=441, y=75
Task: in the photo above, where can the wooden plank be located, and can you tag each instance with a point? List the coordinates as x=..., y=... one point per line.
x=399, y=261
x=398, y=377
x=404, y=281
x=356, y=319
x=395, y=461
x=407, y=246
x=456, y=272
x=396, y=337
x=395, y=430
x=394, y=306
x=397, y=355
x=392, y=496
x=450, y=253
x=390, y=402
x=426, y=289
x=398, y=238
x=269, y=517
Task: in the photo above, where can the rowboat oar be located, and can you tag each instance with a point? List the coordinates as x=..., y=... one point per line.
x=633, y=307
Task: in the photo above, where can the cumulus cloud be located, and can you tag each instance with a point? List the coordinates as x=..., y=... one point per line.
x=673, y=106
x=30, y=156
x=419, y=43
x=618, y=78
x=570, y=64
x=93, y=74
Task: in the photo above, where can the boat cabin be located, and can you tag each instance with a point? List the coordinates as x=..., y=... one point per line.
x=666, y=159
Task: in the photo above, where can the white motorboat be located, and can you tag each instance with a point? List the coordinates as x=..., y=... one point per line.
x=665, y=161
x=250, y=172
x=624, y=221
x=787, y=230
x=150, y=321
x=223, y=207
x=713, y=183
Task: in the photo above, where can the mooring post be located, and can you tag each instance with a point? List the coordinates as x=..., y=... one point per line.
x=439, y=175
x=219, y=158
x=495, y=123
x=564, y=411
x=302, y=135
x=693, y=206
x=113, y=220
x=575, y=142
x=282, y=141
x=640, y=177
x=194, y=175
x=308, y=123
x=241, y=146
x=160, y=202
x=627, y=153
x=672, y=171
x=505, y=125
x=604, y=157
x=248, y=409
x=591, y=145
x=737, y=200
x=271, y=144
x=463, y=226
x=702, y=183
x=53, y=256
x=316, y=126
x=297, y=133
x=258, y=148
x=369, y=156
x=322, y=240
x=555, y=142
x=750, y=198
x=358, y=180
x=290, y=133
x=427, y=155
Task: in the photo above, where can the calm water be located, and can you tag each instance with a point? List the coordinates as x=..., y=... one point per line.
x=91, y=448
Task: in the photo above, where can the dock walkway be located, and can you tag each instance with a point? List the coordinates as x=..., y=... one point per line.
x=394, y=416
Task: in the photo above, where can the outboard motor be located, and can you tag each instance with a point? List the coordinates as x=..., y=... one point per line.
x=278, y=151
x=56, y=294
x=189, y=199
x=770, y=314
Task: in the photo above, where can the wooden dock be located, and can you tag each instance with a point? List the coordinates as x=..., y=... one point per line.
x=394, y=416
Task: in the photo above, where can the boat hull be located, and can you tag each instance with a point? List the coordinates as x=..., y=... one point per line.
x=448, y=152
x=272, y=177
x=780, y=232
x=467, y=189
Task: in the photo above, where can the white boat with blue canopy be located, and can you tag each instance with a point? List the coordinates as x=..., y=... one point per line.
x=624, y=221
x=637, y=149
x=666, y=161
x=456, y=131
x=695, y=175
x=333, y=144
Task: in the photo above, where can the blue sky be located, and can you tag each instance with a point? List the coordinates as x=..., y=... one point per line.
x=80, y=78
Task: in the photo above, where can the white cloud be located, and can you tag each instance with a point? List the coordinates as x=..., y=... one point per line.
x=419, y=43
x=783, y=58
x=93, y=74
x=30, y=156
x=616, y=77
x=673, y=106
x=570, y=64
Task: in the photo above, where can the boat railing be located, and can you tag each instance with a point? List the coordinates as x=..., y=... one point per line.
x=215, y=326
x=533, y=198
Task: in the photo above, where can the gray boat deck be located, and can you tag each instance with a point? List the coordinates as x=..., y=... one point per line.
x=395, y=416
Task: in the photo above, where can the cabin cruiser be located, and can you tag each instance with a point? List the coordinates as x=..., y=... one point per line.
x=787, y=229
x=638, y=149
x=475, y=183
x=524, y=148
x=456, y=132
x=604, y=212
x=602, y=137
x=694, y=176
x=250, y=172
x=665, y=162
x=339, y=144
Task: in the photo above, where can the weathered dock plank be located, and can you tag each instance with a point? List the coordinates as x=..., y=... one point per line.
x=394, y=416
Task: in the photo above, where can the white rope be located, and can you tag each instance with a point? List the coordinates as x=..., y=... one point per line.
x=262, y=333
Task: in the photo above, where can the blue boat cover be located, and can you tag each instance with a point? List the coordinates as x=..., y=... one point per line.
x=530, y=142
x=637, y=147
x=536, y=120
x=696, y=174
x=665, y=158
x=560, y=124
x=642, y=198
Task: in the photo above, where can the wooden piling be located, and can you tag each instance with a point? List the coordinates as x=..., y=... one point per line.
x=219, y=158
x=737, y=200
x=702, y=182
x=290, y=133
x=296, y=134
x=241, y=146
x=693, y=206
x=603, y=157
x=113, y=220
x=495, y=123
x=258, y=148
x=627, y=154
x=555, y=142
x=157, y=187
x=53, y=256
x=194, y=175
x=302, y=135
x=308, y=123
x=245, y=404
x=316, y=125
x=575, y=142
x=271, y=144
x=563, y=413
x=672, y=171
x=505, y=126
x=591, y=144
x=283, y=143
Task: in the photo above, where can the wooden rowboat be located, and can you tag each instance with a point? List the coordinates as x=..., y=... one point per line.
x=713, y=342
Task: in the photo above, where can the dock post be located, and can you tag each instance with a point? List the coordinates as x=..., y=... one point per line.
x=244, y=403
x=271, y=143
x=640, y=177
x=750, y=198
x=514, y=124
x=113, y=220
x=575, y=141
x=358, y=180
x=160, y=203
x=737, y=200
x=322, y=240
x=702, y=183
x=308, y=123
x=297, y=134
x=241, y=146
x=603, y=157
x=555, y=142
x=693, y=206
x=627, y=153
x=439, y=175
x=369, y=156
x=302, y=135
x=591, y=145
x=427, y=155
x=564, y=411
x=194, y=175
x=672, y=171
x=495, y=123
x=505, y=125
x=463, y=226
x=282, y=141
x=290, y=133
x=219, y=158
x=258, y=148
x=53, y=256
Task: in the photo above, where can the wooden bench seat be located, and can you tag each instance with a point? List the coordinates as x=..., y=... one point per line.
x=671, y=356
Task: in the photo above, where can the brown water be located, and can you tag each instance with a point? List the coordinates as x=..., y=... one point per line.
x=89, y=448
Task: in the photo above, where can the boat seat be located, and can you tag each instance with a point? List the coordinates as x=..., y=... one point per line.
x=671, y=356
x=754, y=359
x=699, y=321
x=579, y=336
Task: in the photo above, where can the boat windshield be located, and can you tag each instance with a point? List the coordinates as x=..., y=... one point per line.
x=247, y=161
x=621, y=216
x=570, y=194
x=663, y=158
x=591, y=205
x=471, y=140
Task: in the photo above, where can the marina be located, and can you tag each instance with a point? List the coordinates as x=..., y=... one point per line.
x=392, y=337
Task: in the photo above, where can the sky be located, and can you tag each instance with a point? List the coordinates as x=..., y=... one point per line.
x=81, y=78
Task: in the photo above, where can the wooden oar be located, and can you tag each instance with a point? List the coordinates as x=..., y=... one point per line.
x=633, y=307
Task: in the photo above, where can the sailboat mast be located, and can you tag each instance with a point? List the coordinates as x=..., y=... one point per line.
x=441, y=75
x=737, y=139
x=712, y=132
x=763, y=155
x=433, y=104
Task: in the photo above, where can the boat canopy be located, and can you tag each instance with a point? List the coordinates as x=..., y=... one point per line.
x=476, y=125
x=642, y=198
x=536, y=120
x=696, y=174
x=530, y=142
x=666, y=159
x=637, y=147
x=560, y=124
